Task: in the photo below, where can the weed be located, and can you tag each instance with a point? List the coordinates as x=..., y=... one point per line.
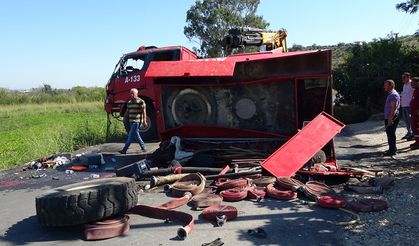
x=34, y=131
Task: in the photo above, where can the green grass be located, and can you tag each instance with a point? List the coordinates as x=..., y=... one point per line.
x=34, y=131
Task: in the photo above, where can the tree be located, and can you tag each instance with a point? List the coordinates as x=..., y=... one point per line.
x=410, y=6
x=359, y=79
x=208, y=21
x=296, y=47
x=47, y=89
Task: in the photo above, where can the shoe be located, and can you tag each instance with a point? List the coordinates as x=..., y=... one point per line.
x=406, y=136
x=143, y=149
x=122, y=152
x=390, y=153
x=410, y=138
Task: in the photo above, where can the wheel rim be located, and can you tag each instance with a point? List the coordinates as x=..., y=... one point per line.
x=148, y=127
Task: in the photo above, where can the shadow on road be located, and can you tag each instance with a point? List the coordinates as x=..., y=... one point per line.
x=360, y=156
x=29, y=231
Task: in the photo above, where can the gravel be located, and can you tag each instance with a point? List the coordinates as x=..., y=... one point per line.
x=361, y=145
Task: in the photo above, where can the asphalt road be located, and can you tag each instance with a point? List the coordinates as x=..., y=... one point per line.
x=285, y=223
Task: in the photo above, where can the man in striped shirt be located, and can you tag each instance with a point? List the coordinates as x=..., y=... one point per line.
x=136, y=110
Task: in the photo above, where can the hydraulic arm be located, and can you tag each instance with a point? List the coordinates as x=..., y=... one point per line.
x=248, y=36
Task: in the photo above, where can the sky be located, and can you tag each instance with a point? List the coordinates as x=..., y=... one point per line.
x=66, y=43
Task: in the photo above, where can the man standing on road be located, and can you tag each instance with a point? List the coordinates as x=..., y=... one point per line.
x=406, y=96
x=136, y=110
x=414, y=111
x=391, y=116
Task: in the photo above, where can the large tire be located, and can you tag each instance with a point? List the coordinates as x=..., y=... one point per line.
x=86, y=201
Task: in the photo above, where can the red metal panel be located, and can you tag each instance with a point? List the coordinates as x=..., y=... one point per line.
x=216, y=132
x=197, y=68
x=223, y=66
x=291, y=156
x=269, y=55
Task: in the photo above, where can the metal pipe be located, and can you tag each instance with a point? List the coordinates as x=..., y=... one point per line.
x=234, y=175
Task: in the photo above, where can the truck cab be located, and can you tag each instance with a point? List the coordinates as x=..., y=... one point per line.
x=129, y=72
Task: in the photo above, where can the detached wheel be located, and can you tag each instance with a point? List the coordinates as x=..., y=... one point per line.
x=86, y=201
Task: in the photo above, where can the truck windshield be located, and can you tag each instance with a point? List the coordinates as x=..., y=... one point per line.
x=136, y=63
x=127, y=65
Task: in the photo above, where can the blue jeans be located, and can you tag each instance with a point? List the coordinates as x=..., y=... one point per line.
x=405, y=115
x=133, y=132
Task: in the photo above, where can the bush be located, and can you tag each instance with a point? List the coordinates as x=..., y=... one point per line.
x=47, y=94
x=350, y=114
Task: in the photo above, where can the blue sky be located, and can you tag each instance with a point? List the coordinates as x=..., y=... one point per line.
x=67, y=43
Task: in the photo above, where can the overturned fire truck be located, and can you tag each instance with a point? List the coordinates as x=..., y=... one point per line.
x=262, y=97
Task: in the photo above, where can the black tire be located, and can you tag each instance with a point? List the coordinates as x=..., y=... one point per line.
x=150, y=133
x=86, y=202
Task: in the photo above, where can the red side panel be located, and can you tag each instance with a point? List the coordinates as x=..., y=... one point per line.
x=291, y=156
x=198, y=68
x=216, y=132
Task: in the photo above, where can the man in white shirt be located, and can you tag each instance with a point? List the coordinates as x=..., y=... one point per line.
x=406, y=96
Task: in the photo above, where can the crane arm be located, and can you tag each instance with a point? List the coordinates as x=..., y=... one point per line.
x=248, y=36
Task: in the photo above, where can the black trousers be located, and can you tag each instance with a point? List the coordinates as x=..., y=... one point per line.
x=391, y=134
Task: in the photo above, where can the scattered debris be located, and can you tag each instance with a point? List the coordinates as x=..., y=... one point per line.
x=277, y=192
x=37, y=176
x=94, y=176
x=77, y=168
x=216, y=242
x=91, y=158
x=220, y=214
x=180, y=155
x=135, y=169
x=204, y=200
x=108, y=228
x=371, y=185
x=69, y=172
x=258, y=232
x=331, y=202
x=168, y=179
x=234, y=194
x=193, y=183
x=368, y=205
x=164, y=214
x=50, y=162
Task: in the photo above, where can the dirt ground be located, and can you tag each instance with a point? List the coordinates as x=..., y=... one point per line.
x=361, y=145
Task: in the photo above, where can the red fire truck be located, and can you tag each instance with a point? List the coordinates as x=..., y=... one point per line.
x=268, y=94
